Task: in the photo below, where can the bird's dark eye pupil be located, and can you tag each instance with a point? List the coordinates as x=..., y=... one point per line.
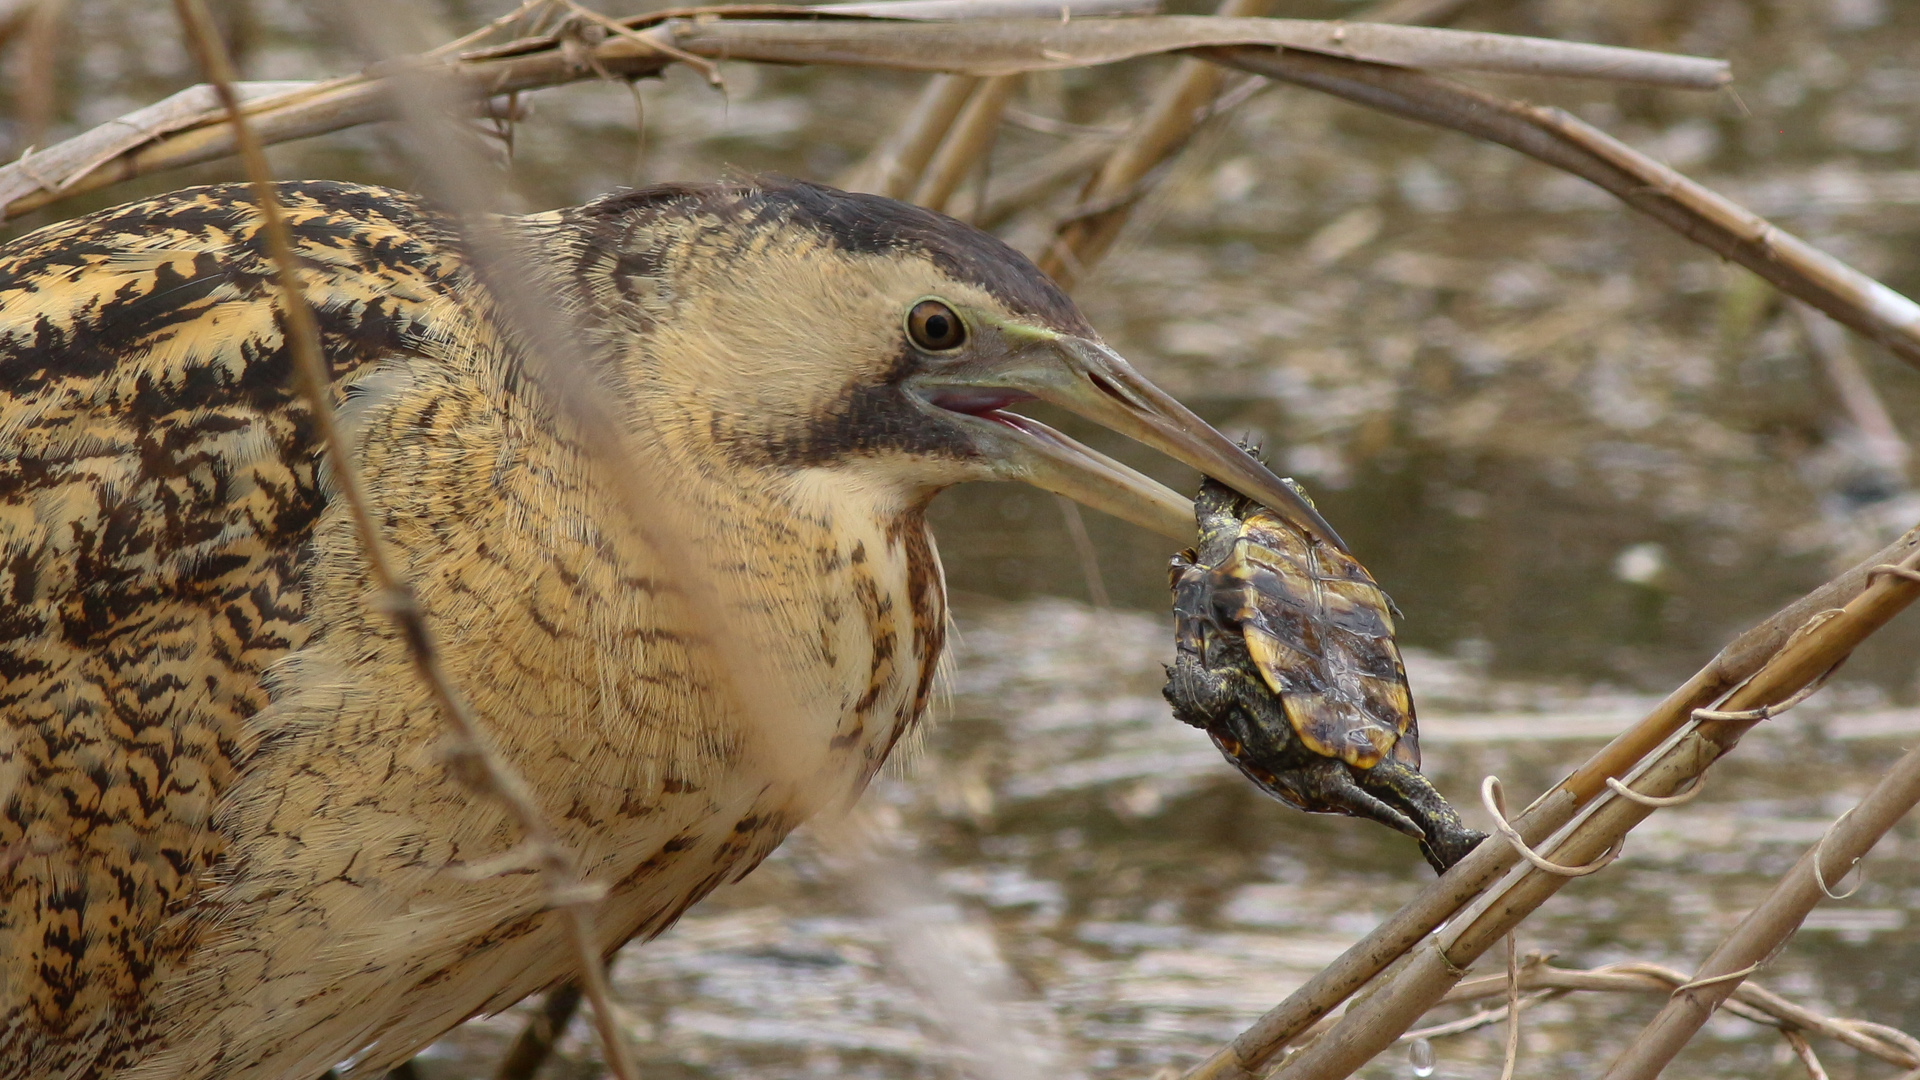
x=934, y=327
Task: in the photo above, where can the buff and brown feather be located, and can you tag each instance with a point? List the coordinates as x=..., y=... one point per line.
x=229, y=846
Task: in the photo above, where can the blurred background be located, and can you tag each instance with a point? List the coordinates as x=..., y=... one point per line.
x=1579, y=452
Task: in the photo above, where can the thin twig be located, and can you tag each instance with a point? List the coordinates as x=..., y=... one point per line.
x=613, y=26
x=487, y=30
x=1483, y=1018
x=1614, y=785
x=470, y=755
x=1496, y=807
x=1413, y=12
x=1047, y=125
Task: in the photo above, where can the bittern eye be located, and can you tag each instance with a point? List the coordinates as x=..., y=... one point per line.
x=934, y=327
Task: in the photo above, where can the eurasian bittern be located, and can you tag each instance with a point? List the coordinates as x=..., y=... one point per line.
x=229, y=847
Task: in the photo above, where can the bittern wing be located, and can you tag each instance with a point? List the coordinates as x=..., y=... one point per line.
x=158, y=492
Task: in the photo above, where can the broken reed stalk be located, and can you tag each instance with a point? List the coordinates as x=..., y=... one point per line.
x=1768, y=926
x=1567, y=143
x=1249, y=1053
x=1179, y=105
x=1439, y=962
x=470, y=756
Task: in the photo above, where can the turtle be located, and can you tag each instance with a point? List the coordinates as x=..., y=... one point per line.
x=1284, y=655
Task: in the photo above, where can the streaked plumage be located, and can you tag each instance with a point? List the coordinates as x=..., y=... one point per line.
x=229, y=846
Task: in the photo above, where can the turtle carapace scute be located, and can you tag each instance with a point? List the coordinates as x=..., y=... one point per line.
x=1284, y=654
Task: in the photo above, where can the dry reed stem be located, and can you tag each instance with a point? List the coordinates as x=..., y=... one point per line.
x=313, y=111
x=894, y=167
x=967, y=145
x=1179, y=105
x=470, y=755
x=1438, y=963
x=1248, y=1054
x=1768, y=926
x=1010, y=46
x=944, y=10
x=983, y=48
x=1565, y=142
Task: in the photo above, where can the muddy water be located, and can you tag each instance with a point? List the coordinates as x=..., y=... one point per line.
x=1579, y=452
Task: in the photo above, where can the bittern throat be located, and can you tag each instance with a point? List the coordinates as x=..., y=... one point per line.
x=229, y=847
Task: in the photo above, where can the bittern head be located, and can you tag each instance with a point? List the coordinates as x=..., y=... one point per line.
x=794, y=326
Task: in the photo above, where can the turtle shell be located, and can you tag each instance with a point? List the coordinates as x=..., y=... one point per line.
x=1316, y=627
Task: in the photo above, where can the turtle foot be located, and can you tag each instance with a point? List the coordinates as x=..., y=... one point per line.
x=1329, y=787
x=1445, y=839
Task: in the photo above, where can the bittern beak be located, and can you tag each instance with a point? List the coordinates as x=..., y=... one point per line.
x=1090, y=380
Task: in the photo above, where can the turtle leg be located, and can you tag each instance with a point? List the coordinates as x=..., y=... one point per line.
x=1198, y=696
x=1447, y=839
x=1327, y=782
